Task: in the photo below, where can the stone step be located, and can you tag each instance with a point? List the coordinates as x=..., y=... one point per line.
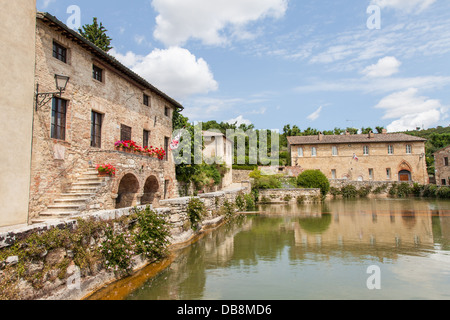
x=77, y=195
x=59, y=214
x=71, y=201
x=65, y=207
x=82, y=189
x=88, y=183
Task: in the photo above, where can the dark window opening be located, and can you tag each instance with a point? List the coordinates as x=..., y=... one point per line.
x=146, y=138
x=97, y=73
x=146, y=100
x=58, y=124
x=125, y=133
x=166, y=147
x=96, y=130
x=446, y=161
x=59, y=52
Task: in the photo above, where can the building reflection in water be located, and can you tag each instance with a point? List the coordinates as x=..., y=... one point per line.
x=364, y=231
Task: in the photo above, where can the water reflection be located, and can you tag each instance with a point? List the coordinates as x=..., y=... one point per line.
x=319, y=251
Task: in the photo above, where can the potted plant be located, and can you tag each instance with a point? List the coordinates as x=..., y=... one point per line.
x=105, y=170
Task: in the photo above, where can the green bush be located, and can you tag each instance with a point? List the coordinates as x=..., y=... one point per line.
x=349, y=192
x=335, y=191
x=404, y=190
x=443, y=192
x=249, y=202
x=240, y=202
x=314, y=179
x=151, y=235
x=364, y=192
x=196, y=209
x=430, y=191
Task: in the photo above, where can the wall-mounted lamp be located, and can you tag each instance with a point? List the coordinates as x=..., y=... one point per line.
x=43, y=97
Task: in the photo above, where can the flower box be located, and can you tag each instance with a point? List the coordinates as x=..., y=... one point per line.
x=105, y=170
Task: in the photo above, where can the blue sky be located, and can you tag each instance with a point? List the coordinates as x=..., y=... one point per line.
x=308, y=63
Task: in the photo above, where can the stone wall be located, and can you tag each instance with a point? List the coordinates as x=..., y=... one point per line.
x=17, y=54
x=57, y=163
x=240, y=175
x=289, y=195
x=442, y=167
x=345, y=167
x=61, y=287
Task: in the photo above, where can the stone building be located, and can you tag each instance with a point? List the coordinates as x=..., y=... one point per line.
x=104, y=102
x=442, y=167
x=364, y=157
x=17, y=38
x=219, y=148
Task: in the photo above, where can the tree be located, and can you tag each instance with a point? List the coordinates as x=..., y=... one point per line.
x=96, y=34
x=314, y=179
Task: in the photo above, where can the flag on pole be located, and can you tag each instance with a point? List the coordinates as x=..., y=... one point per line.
x=355, y=157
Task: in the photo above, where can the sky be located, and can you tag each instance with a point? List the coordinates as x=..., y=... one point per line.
x=319, y=64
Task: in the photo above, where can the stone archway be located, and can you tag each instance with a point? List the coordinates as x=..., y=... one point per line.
x=151, y=187
x=128, y=191
x=404, y=172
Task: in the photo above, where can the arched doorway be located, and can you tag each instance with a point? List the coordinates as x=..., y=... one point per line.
x=151, y=187
x=404, y=176
x=128, y=191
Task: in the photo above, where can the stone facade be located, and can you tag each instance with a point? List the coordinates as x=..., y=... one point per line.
x=17, y=54
x=126, y=105
x=219, y=147
x=442, y=167
x=372, y=157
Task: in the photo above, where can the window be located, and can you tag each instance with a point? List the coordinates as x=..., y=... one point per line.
x=166, y=188
x=408, y=149
x=446, y=161
x=333, y=174
x=444, y=182
x=334, y=151
x=313, y=152
x=300, y=152
x=97, y=73
x=371, y=174
x=388, y=173
x=166, y=147
x=96, y=129
x=166, y=111
x=145, y=138
x=366, y=150
x=125, y=133
x=58, y=125
x=390, y=149
x=146, y=100
x=59, y=52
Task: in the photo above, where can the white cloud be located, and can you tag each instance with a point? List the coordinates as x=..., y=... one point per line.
x=404, y=5
x=411, y=110
x=175, y=71
x=375, y=85
x=205, y=20
x=315, y=115
x=385, y=67
x=239, y=120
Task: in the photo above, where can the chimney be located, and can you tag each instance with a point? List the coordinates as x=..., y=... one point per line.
x=371, y=135
x=384, y=131
x=347, y=133
x=320, y=136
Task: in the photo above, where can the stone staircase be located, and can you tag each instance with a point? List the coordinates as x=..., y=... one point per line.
x=75, y=201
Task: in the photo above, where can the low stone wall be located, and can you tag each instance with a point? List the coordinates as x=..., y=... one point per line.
x=289, y=195
x=339, y=183
x=60, y=287
x=241, y=175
